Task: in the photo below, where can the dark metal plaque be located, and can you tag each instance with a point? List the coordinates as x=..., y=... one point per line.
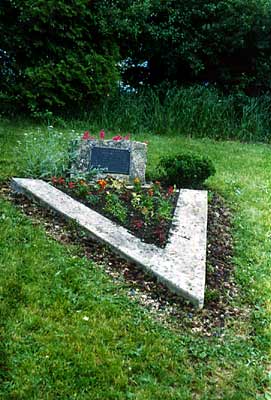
x=115, y=161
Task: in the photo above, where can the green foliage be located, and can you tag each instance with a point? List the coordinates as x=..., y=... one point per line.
x=58, y=57
x=93, y=199
x=223, y=41
x=82, y=189
x=144, y=203
x=185, y=170
x=194, y=111
x=45, y=154
x=164, y=210
x=114, y=206
x=65, y=56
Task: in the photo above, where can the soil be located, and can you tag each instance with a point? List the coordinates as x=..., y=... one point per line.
x=219, y=309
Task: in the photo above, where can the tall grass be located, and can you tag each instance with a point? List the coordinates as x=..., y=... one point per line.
x=195, y=111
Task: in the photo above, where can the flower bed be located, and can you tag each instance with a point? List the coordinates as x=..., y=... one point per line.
x=146, y=212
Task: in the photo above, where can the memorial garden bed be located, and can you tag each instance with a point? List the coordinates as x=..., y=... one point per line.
x=145, y=211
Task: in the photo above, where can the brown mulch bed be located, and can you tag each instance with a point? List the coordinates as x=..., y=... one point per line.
x=168, y=308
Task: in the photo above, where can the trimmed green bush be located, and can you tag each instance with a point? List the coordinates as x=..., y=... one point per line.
x=185, y=170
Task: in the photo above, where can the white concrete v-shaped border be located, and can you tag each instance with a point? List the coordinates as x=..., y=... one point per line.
x=180, y=265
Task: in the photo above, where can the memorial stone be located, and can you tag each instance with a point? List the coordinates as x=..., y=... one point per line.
x=122, y=159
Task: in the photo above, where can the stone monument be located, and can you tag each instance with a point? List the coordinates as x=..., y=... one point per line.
x=121, y=159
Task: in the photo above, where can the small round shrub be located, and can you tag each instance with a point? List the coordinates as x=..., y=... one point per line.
x=185, y=170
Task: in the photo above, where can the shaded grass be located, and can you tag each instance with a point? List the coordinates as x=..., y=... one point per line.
x=70, y=332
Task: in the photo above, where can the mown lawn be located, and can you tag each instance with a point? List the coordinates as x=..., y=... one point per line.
x=69, y=332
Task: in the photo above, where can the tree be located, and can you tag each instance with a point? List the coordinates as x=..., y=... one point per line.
x=58, y=54
x=64, y=54
x=226, y=42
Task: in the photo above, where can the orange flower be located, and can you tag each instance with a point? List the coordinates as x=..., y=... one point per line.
x=102, y=183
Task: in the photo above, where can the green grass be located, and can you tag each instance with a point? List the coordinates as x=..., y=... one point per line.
x=69, y=332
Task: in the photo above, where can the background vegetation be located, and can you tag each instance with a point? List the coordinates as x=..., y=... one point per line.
x=59, y=57
x=195, y=111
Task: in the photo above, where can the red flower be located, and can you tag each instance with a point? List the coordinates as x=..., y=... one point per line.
x=54, y=180
x=150, y=192
x=86, y=135
x=170, y=190
x=61, y=181
x=71, y=185
x=118, y=137
x=127, y=137
x=102, y=134
x=138, y=223
x=159, y=232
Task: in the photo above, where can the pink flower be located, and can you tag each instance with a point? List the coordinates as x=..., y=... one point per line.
x=102, y=134
x=127, y=137
x=118, y=137
x=86, y=135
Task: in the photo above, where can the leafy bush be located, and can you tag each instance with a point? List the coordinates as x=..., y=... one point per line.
x=185, y=170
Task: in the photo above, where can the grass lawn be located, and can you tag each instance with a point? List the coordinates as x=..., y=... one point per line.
x=68, y=331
